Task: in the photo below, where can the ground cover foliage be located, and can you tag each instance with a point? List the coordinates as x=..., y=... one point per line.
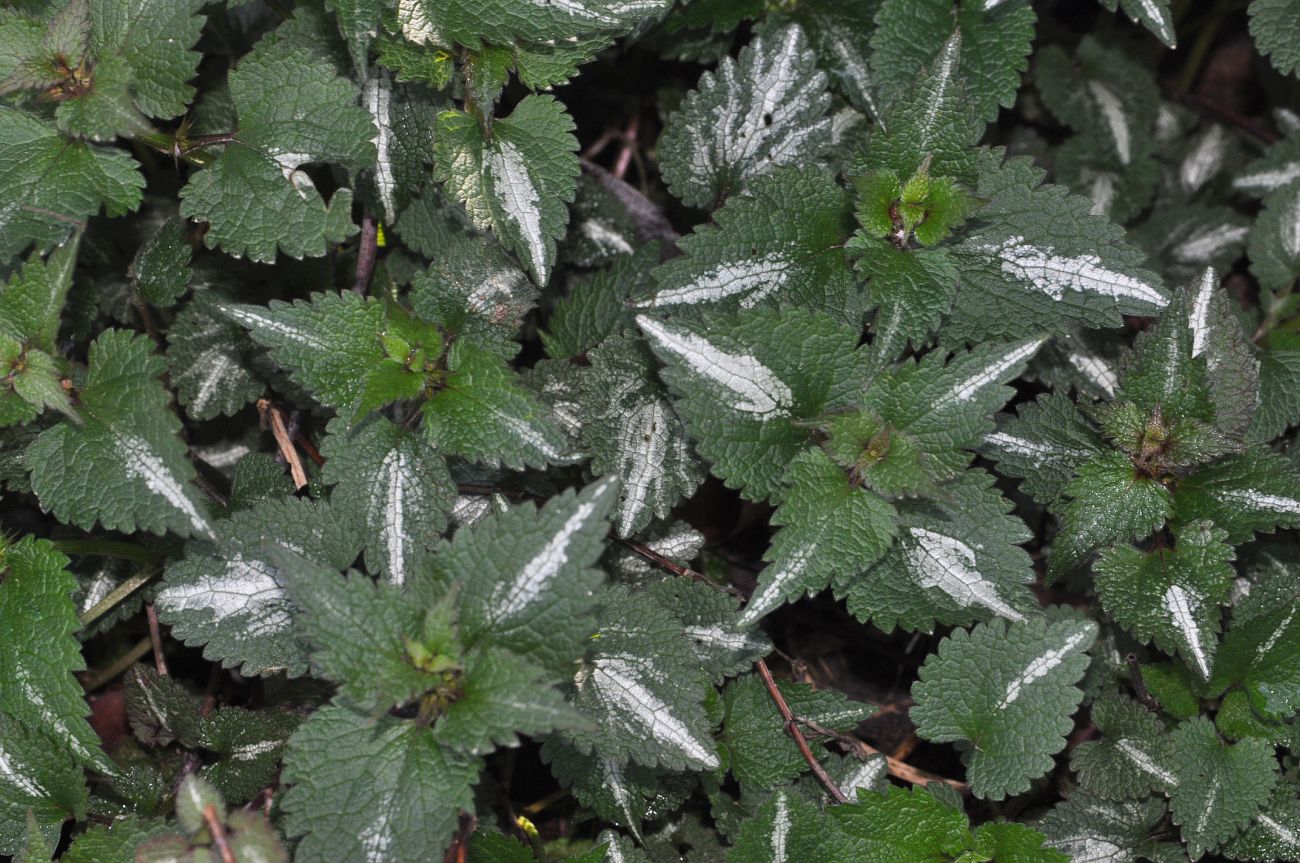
x=649, y=430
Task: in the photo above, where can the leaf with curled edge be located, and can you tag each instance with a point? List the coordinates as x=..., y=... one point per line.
x=516, y=182
x=395, y=484
x=797, y=219
x=643, y=690
x=1171, y=596
x=526, y=575
x=39, y=652
x=124, y=465
x=293, y=110
x=767, y=108
x=365, y=788
x=957, y=559
x=233, y=601
x=746, y=383
x=1008, y=690
x=631, y=430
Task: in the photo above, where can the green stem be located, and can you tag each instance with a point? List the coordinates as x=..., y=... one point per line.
x=1200, y=49
x=122, y=663
x=108, y=548
x=1273, y=315
x=120, y=593
x=168, y=145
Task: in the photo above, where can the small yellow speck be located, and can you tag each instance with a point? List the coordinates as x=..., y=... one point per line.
x=527, y=826
x=380, y=239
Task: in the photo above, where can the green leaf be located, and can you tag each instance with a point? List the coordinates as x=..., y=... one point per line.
x=1171, y=596
x=209, y=367
x=598, y=306
x=830, y=528
x=1106, y=96
x=404, y=120
x=1274, y=252
x=370, y=789
x=1279, y=165
x=502, y=696
x=293, y=110
x=233, y=600
x=107, y=63
x=946, y=409
x=1043, y=445
x=956, y=560
x=32, y=301
x=1254, y=491
x=359, y=632
x=154, y=41
x=1274, y=834
x=1039, y=252
x=840, y=34
x=746, y=385
x=1221, y=786
x=1109, y=832
x=487, y=847
x=1151, y=14
x=750, y=115
x=1232, y=371
x=1275, y=24
x=31, y=305
x=758, y=749
x=160, y=272
x=41, y=780
x=623, y=794
x=643, y=689
x=35, y=849
x=49, y=184
x=124, y=465
x=929, y=131
x=1134, y=757
x=798, y=219
x=995, y=43
x=1014, y=843
x=710, y=621
x=501, y=22
x=39, y=652
x=526, y=575
x=358, y=22
x=334, y=345
x=249, y=744
x=516, y=182
x=1110, y=501
x=903, y=826
x=911, y=288
x=475, y=292
x=396, y=485
x=1008, y=692
x=1279, y=387
x=1260, y=655
x=631, y=431
x=484, y=414
x=784, y=828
